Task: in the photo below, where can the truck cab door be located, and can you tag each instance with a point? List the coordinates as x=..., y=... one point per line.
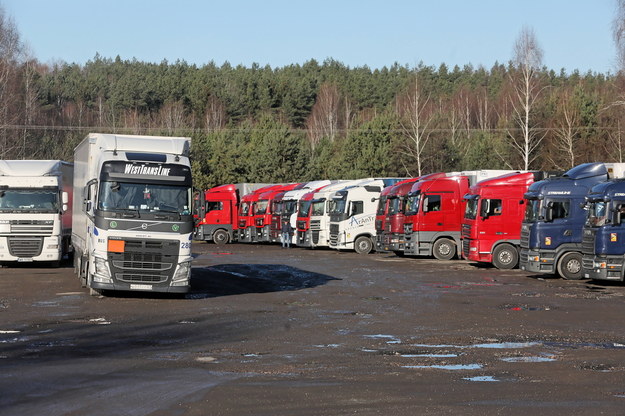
x=433, y=215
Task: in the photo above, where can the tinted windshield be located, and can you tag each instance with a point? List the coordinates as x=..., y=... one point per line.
x=394, y=205
x=29, y=200
x=337, y=206
x=143, y=197
x=381, y=206
x=245, y=209
x=304, y=209
x=532, y=210
x=289, y=206
x=260, y=207
x=470, y=212
x=318, y=208
x=597, y=214
x=412, y=204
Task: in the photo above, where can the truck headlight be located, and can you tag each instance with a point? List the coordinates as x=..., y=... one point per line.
x=102, y=273
x=601, y=265
x=181, y=277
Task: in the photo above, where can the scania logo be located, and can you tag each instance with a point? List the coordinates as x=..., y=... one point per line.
x=144, y=226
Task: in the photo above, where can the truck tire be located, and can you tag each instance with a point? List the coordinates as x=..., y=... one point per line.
x=363, y=245
x=444, y=249
x=570, y=266
x=505, y=256
x=221, y=237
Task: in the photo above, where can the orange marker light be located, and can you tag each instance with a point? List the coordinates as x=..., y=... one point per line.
x=116, y=246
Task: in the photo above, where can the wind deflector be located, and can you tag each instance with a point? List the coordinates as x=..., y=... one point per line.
x=587, y=170
x=147, y=157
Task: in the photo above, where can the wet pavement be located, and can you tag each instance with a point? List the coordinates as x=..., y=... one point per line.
x=266, y=331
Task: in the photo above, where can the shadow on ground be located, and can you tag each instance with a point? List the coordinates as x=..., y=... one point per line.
x=236, y=279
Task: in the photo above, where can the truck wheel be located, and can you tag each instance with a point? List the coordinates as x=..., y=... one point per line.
x=221, y=237
x=570, y=266
x=363, y=245
x=444, y=249
x=505, y=256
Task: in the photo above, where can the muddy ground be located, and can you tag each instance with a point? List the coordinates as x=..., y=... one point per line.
x=267, y=331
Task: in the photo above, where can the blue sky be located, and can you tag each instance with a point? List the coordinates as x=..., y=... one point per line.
x=574, y=34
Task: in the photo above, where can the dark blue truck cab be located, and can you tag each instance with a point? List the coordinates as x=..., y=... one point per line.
x=551, y=233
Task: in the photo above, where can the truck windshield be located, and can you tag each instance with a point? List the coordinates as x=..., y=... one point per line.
x=470, y=212
x=597, y=214
x=412, y=204
x=29, y=200
x=245, y=209
x=532, y=210
x=381, y=206
x=304, y=209
x=318, y=208
x=261, y=207
x=393, y=205
x=289, y=207
x=143, y=197
x=337, y=205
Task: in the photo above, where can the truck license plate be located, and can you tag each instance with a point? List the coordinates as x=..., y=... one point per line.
x=24, y=259
x=140, y=287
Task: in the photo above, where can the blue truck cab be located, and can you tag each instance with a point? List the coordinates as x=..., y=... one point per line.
x=551, y=233
x=603, y=244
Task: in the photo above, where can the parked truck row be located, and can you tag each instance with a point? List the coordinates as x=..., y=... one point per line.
x=548, y=222
x=124, y=210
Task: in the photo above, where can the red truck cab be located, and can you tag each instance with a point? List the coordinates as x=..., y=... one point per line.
x=263, y=211
x=247, y=229
x=392, y=233
x=491, y=227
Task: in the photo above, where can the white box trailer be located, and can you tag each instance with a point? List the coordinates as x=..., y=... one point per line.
x=35, y=208
x=133, y=222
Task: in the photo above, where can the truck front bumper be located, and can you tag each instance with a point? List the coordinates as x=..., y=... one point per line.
x=538, y=261
x=603, y=267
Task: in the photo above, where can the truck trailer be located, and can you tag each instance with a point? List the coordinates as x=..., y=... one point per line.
x=36, y=210
x=551, y=234
x=133, y=223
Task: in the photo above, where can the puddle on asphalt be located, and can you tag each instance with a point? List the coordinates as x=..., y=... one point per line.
x=506, y=345
x=9, y=331
x=528, y=359
x=428, y=355
x=450, y=367
x=481, y=378
x=392, y=339
x=327, y=345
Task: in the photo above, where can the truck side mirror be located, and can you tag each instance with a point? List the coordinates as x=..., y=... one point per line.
x=484, y=208
x=64, y=197
x=616, y=215
x=549, y=213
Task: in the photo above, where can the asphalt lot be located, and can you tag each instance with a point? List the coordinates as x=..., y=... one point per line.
x=267, y=331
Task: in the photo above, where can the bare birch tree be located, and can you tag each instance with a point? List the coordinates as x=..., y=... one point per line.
x=618, y=34
x=324, y=118
x=416, y=114
x=525, y=92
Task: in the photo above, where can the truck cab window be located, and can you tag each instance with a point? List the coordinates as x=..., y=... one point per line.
x=358, y=207
x=214, y=206
x=432, y=203
x=494, y=207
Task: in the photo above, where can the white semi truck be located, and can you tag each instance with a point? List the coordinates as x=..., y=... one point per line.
x=352, y=215
x=133, y=222
x=35, y=210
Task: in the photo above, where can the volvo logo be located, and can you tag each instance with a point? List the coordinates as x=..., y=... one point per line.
x=144, y=226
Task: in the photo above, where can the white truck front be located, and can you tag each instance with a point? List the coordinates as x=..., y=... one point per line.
x=133, y=222
x=35, y=222
x=352, y=216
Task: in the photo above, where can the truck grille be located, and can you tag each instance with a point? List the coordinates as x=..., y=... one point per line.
x=145, y=261
x=32, y=227
x=525, y=235
x=334, y=234
x=378, y=225
x=588, y=241
x=466, y=240
x=25, y=246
